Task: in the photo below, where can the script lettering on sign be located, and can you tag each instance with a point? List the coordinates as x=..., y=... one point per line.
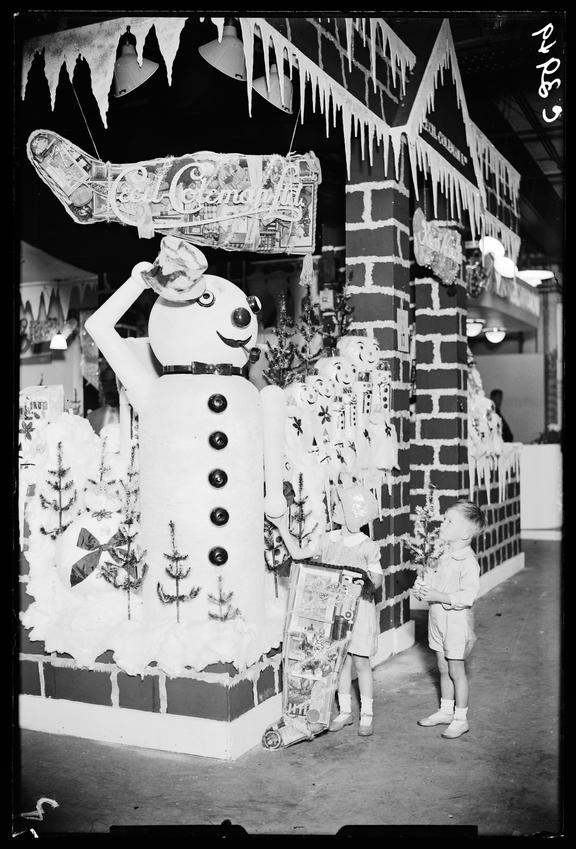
x=437, y=248
x=231, y=201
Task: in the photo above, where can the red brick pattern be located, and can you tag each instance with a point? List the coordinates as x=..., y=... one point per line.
x=378, y=275
x=501, y=539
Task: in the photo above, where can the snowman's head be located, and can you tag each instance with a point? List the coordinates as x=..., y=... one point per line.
x=339, y=369
x=324, y=386
x=363, y=352
x=219, y=326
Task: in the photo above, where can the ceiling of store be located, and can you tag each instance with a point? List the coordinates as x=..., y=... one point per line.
x=497, y=56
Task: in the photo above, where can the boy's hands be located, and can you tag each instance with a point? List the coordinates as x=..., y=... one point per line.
x=426, y=593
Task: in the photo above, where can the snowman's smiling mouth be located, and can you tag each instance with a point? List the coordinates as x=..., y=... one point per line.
x=234, y=343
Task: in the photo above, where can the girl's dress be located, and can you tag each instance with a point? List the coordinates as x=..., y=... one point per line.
x=337, y=549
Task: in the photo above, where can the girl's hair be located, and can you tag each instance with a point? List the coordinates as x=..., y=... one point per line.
x=472, y=513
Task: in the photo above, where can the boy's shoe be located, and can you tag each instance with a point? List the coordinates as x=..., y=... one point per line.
x=457, y=728
x=438, y=718
x=366, y=726
x=340, y=721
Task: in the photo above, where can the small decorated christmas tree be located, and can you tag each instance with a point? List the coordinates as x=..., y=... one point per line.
x=300, y=517
x=178, y=572
x=104, y=500
x=223, y=602
x=65, y=497
x=310, y=329
x=281, y=356
x=424, y=545
x=127, y=569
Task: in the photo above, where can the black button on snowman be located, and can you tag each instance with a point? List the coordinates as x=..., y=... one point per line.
x=209, y=441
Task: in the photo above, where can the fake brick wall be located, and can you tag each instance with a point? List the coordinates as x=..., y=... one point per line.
x=219, y=692
x=439, y=424
x=378, y=278
x=501, y=539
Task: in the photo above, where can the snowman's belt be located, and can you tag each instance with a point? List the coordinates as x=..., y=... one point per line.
x=207, y=368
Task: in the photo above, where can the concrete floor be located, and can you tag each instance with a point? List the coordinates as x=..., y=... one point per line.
x=503, y=776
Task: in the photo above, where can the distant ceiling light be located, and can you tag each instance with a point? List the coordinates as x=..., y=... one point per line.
x=273, y=94
x=58, y=342
x=474, y=326
x=534, y=276
x=505, y=266
x=226, y=55
x=489, y=245
x=128, y=74
x=495, y=335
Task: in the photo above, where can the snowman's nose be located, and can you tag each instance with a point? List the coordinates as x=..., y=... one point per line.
x=241, y=317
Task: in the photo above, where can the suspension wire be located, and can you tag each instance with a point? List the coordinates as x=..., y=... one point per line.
x=294, y=133
x=85, y=121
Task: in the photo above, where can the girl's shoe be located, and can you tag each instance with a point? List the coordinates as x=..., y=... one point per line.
x=457, y=728
x=340, y=721
x=438, y=718
x=366, y=726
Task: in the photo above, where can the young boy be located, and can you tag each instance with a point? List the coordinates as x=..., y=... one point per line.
x=450, y=590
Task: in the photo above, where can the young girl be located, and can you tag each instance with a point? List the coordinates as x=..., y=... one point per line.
x=348, y=546
x=450, y=591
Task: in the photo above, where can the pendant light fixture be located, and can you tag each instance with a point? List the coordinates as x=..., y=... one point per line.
x=495, y=335
x=128, y=73
x=534, y=276
x=273, y=93
x=226, y=55
x=58, y=342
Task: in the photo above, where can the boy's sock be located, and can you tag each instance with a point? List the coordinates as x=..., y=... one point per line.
x=447, y=705
x=345, y=702
x=460, y=714
x=366, y=709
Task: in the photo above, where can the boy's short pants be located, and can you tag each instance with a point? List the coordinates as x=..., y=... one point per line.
x=451, y=631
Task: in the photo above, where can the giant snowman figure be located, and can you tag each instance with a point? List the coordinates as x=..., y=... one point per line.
x=210, y=443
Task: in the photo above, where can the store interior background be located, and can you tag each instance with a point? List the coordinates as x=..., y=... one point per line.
x=204, y=109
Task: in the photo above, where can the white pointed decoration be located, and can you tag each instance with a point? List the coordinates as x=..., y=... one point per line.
x=168, y=31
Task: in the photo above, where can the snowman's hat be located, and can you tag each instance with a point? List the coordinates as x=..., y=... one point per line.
x=177, y=271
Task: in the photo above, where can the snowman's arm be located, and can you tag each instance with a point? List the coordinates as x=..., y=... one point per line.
x=129, y=370
x=273, y=423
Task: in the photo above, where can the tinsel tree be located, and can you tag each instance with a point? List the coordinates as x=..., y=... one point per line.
x=178, y=572
x=127, y=569
x=223, y=602
x=309, y=328
x=300, y=516
x=424, y=545
x=65, y=495
x=104, y=487
x=276, y=555
x=282, y=355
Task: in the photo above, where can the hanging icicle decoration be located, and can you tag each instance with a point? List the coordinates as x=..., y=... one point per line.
x=494, y=163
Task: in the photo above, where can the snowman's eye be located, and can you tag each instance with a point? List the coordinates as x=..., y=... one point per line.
x=206, y=299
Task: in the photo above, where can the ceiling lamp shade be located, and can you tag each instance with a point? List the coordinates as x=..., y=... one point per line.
x=273, y=94
x=489, y=245
x=505, y=266
x=474, y=326
x=128, y=74
x=226, y=55
x=58, y=342
x=495, y=335
x=534, y=276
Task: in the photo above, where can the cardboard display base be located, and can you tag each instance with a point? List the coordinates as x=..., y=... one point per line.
x=169, y=733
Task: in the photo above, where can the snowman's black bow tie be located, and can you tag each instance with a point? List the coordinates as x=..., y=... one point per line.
x=207, y=368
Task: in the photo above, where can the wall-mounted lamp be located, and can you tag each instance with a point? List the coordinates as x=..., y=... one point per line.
x=535, y=276
x=495, y=335
x=272, y=94
x=128, y=74
x=226, y=55
x=505, y=266
x=490, y=245
x=474, y=326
